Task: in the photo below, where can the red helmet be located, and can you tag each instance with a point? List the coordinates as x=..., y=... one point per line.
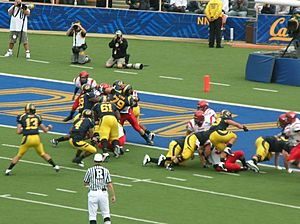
x=84, y=74
x=281, y=121
x=290, y=117
x=202, y=105
x=199, y=117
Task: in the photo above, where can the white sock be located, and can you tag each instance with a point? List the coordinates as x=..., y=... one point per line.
x=9, y=50
x=27, y=51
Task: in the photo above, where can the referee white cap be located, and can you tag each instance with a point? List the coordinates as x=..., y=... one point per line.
x=98, y=157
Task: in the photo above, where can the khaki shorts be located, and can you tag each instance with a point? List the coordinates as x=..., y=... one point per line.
x=111, y=61
x=17, y=34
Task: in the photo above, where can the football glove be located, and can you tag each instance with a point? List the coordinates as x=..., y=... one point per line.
x=245, y=128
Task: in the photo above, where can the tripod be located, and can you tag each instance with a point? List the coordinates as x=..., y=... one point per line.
x=288, y=47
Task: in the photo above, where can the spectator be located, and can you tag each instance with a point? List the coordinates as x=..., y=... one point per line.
x=102, y=3
x=138, y=4
x=268, y=9
x=177, y=6
x=154, y=5
x=239, y=8
x=225, y=6
x=196, y=6
x=282, y=9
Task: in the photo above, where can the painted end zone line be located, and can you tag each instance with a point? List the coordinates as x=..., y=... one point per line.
x=7, y=196
x=133, y=73
x=169, y=77
x=266, y=90
x=219, y=84
x=38, y=61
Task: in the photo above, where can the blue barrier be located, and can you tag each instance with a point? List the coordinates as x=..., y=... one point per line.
x=286, y=71
x=131, y=22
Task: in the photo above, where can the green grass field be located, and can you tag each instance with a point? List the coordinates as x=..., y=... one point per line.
x=147, y=194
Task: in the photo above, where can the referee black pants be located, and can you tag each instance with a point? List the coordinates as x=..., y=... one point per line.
x=215, y=32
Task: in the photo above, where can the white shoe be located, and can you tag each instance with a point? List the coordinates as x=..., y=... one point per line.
x=252, y=166
x=54, y=142
x=81, y=164
x=161, y=158
x=105, y=156
x=27, y=55
x=151, y=136
x=170, y=167
x=7, y=172
x=146, y=159
x=227, y=150
x=8, y=54
x=56, y=168
x=221, y=165
x=117, y=151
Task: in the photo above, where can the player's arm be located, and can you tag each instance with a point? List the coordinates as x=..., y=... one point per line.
x=236, y=124
x=19, y=129
x=202, y=157
x=285, y=156
x=75, y=92
x=276, y=160
x=46, y=129
x=112, y=192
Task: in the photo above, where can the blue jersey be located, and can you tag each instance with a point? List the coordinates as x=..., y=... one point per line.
x=80, y=128
x=85, y=101
x=30, y=123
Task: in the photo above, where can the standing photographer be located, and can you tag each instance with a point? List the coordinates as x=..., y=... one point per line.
x=18, y=27
x=119, y=46
x=79, y=45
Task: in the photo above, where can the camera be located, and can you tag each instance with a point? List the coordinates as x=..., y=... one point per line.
x=293, y=23
x=25, y=6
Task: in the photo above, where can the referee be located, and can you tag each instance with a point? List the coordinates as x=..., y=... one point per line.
x=98, y=179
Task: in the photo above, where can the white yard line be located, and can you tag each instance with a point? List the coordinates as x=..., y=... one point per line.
x=80, y=66
x=219, y=84
x=65, y=190
x=174, y=186
x=124, y=185
x=266, y=90
x=170, y=77
x=124, y=72
x=38, y=194
x=38, y=61
x=11, y=146
x=175, y=178
x=204, y=176
x=232, y=174
x=7, y=196
x=157, y=94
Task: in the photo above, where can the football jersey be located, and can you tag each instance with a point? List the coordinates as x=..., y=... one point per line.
x=90, y=81
x=80, y=128
x=202, y=137
x=277, y=144
x=30, y=123
x=219, y=124
x=209, y=117
x=103, y=109
x=180, y=141
x=85, y=101
x=123, y=103
x=193, y=127
x=214, y=157
x=293, y=132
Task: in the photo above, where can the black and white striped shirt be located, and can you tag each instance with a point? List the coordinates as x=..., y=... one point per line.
x=97, y=177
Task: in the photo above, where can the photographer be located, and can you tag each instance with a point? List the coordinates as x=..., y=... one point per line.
x=293, y=28
x=79, y=45
x=119, y=46
x=18, y=27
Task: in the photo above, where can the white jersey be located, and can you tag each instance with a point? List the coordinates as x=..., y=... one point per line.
x=214, y=158
x=209, y=117
x=78, y=40
x=293, y=132
x=90, y=81
x=16, y=20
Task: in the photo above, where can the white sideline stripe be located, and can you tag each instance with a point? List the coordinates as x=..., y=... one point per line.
x=175, y=178
x=12, y=146
x=157, y=94
x=1, y=56
x=65, y=190
x=204, y=176
x=176, y=186
x=266, y=90
x=76, y=209
x=232, y=174
x=219, y=84
x=38, y=61
x=38, y=194
x=170, y=77
x=133, y=73
x=124, y=185
x=80, y=66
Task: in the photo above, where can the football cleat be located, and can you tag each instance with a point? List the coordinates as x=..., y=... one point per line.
x=7, y=172
x=56, y=168
x=117, y=151
x=170, y=167
x=227, y=150
x=70, y=117
x=105, y=156
x=151, y=136
x=161, y=158
x=252, y=166
x=146, y=160
x=221, y=165
x=54, y=142
x=8, y=54
x=27, y=55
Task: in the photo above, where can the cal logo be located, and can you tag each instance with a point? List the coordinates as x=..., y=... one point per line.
x=281, y=33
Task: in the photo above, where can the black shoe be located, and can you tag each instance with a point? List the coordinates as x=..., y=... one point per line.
x=68, y=118
x=77, y=160
x=211, y=46
x=219, y=46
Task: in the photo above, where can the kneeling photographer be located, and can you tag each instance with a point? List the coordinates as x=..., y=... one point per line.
x=119, y=56
x=79, y=45
x=293, y=28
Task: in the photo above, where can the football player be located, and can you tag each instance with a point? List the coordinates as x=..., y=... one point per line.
x=220, y=137
x=79, y=81
x=28, y=125
x=175, y=149
x=209, y=114
x=264, y=148
x=197, y=123
x=83, y=127
x=107, y=115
